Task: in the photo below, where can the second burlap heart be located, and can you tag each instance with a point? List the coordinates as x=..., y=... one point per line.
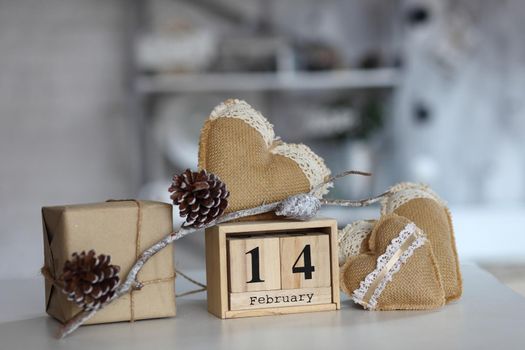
x=239, y=145
x=398, y=272
x=423, y=206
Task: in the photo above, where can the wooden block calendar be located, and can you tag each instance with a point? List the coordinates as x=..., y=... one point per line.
x=262, y=268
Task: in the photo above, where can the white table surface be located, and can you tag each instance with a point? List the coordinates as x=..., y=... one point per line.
x=489, y=316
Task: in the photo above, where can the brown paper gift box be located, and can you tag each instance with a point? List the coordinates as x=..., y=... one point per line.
x=122, y=229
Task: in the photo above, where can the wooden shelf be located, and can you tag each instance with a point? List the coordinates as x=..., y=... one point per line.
x=226, y=82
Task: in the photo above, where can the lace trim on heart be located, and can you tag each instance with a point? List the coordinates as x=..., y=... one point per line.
x=393, y=247
x=404, y=192
x=351, y=238
x=234, y=108
x=310, y=163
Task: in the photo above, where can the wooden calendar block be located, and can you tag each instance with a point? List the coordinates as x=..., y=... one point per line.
x=305, y=261
x=254, y=264
x=234, y=289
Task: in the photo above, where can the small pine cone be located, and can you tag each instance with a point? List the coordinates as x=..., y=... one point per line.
x=201, y=197
x=89, y=280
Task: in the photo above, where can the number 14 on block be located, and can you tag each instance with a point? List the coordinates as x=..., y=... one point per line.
x=286, y=262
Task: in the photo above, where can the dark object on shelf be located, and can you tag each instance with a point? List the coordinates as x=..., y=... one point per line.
x=370, y=60
x=256, y=54
x=316, y=56
x=372, y=118
x=369, y=112
x=397, y=61
x=374, y=59
x=417, y=14
x=421, y=113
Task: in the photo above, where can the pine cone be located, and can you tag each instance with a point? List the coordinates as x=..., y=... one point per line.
x=201, y=197
x=89, y=280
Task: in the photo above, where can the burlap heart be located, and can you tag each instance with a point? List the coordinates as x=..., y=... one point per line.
x=421, y=205
x=398, y=273
x=239, y=145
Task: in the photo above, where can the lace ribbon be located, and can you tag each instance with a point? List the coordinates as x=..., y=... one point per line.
x=312, y=166
x=234, y=108
x=404, y=192
x=351, y=237
x=397, y=253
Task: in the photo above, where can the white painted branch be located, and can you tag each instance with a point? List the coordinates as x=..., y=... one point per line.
x=354, y=203
x=131, y=279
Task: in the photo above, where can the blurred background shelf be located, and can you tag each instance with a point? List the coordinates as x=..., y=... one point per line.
x=369, y=85
x=328, y=88
x=382, y=78
x=105, y=99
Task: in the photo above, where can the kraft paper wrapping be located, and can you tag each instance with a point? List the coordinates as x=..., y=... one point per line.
x=111, y=228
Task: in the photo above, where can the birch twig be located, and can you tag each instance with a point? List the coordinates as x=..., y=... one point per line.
x=131, y=282
x=354, y=203
x=338, y=176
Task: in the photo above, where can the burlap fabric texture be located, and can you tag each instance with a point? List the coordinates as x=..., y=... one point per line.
x=239, y=145
x=398, y=271
x=422, y=206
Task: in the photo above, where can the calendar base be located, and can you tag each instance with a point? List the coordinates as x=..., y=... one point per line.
x=276, y=311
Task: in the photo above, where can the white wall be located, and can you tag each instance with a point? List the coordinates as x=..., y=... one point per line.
x=64, y=136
